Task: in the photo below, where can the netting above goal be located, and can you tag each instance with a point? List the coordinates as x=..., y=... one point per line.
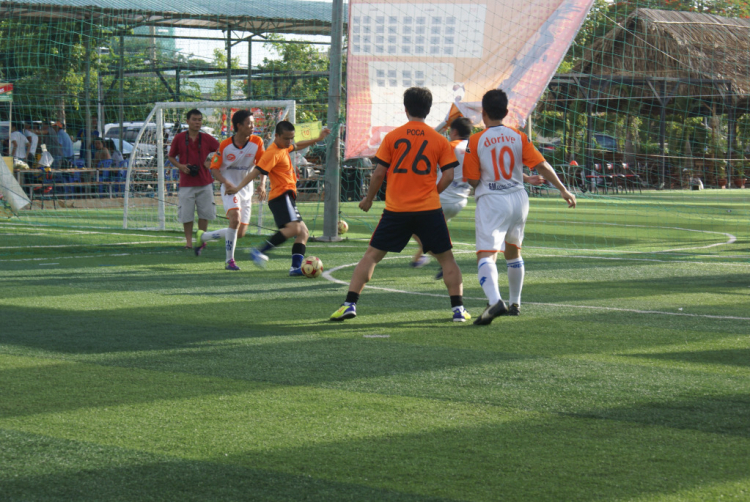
x=151, y=181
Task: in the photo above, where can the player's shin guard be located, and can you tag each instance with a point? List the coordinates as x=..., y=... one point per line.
x=216, y=234
x=231, y=240
x=276, y=239
x=516, y=271
x=487, y=273
x=298, y=254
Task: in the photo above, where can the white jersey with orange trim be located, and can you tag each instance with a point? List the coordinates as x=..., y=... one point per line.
x=459, y=190
x=234, y=162
x=496, y=157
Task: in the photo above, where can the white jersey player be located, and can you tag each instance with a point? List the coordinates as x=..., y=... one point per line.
x=493, y=165
x=454, y=198
x=230, y=164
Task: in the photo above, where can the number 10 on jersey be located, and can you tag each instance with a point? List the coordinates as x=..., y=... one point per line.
x=498, y=162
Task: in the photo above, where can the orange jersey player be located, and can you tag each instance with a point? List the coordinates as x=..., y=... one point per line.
x=411, y=156
x=277, y=165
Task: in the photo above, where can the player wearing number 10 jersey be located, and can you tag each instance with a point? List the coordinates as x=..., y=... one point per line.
x=411, y=156
x=493, y=165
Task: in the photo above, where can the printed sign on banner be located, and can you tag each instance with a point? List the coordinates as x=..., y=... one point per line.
x=459, y=50
x=306, y=132
x=6, y=92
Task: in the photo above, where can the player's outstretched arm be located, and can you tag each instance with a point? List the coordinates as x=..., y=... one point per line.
x=261, y=187
x=230, y=189
x=221, y=179
x=546, y=172
x=304, y=144
x=378, y=175
x=445, y=180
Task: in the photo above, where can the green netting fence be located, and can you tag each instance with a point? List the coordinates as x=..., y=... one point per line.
x=647, y=118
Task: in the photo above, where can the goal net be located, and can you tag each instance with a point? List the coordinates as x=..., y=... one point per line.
x=152, y=182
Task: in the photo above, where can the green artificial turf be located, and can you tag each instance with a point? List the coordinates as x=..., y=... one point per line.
x=132, y=370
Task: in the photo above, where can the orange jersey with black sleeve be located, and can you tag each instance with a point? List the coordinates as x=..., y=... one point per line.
x=277, y=164
x=496, y=157
x=413, y=153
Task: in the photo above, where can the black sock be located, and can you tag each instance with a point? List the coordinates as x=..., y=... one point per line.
x=276, y=239
x=352, y=297
x=457, y=301
x=298, y=248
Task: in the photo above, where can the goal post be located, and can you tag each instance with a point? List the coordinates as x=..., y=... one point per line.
x=150, y=190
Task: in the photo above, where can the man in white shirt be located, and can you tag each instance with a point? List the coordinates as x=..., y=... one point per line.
x=33, y=139
x=18, y=143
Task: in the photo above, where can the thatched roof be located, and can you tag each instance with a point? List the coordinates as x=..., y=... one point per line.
x=659, y=43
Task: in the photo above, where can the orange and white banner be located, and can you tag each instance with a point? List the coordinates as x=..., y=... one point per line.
x=457, y=49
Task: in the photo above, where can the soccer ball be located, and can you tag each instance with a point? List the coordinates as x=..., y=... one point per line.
x=343, y=227
x=312, y=267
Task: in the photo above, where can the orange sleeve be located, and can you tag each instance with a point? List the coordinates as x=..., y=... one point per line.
x=471, y=159
x=531, y=156
x=261, y=150
x=218, y=158
x=385, y=152
x=448, y=156
x=266, y=162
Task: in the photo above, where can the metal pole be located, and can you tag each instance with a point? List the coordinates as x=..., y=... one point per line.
x=662, y=135
x=86, y=92
x=177, y=85
x=160, y=166
x=333, y=154
x=731, y=134
x=99, y=97
x=249, y=92
x=121, y=114
x=229, y=79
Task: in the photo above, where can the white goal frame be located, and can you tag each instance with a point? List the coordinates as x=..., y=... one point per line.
x=157, y=116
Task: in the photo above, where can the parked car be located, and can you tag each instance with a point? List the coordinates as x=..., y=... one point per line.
x=605, y=142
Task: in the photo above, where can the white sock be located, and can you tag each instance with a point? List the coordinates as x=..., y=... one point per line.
x=516, y=272
x=487, y=272
x=231, y=240
x=216, y=234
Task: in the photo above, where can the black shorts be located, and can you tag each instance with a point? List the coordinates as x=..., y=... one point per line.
x=284, y=209
x=395, y=229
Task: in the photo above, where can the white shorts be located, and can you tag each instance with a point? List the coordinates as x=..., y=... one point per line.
x=190, y=198
x=500, y=219
x=452, y=208
x=241, y=201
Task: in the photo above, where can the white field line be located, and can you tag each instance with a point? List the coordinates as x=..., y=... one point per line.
x=82, y=245
x=85, y=256
x=86, y=232
x=612, y=258
x=327, y=275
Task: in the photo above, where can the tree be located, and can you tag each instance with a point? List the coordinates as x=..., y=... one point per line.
x=284, y=78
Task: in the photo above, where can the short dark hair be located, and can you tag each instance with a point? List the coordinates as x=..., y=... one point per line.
x=192, y=112
x=462, y=126
x=418, y=101
x=495, y=104
x=239, y=117
x=284, y=126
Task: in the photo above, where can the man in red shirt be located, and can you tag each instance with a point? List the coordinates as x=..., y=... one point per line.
x=188, y=153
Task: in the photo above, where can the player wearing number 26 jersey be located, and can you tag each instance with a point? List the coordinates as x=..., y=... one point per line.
x=413, y=153
x=410, y=155
x=493, y=165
